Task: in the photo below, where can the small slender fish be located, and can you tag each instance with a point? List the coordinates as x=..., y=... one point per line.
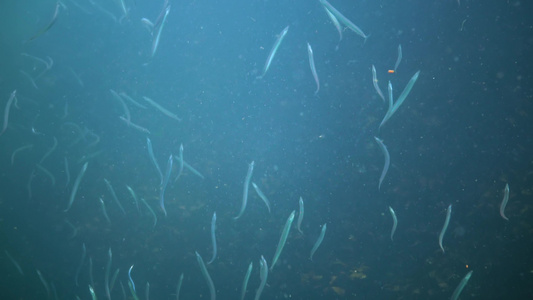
x=134, y=196
x=387, y=160
x=78, y=270
x=343, y=19
x=50, y=151
x=28, y=76
x=178, y=288
x=155, y=42
x=312, y=66
x=147, y=291
x=212, y=290
x=15, y=263
x=504, y=202
x=91, y=270
x=394, y=107
x=461, y=286
x=45, y=284
x=262, y=196
x=135, y=126
x=318, y=241
x=193, y=170
x=213, y=238
x=335, y=22
x=76, y=185
x=127, y=97
x=405, y=92
x=389, y=109
x=130, y=279
x=165, y=111
x=148, y=25
x=399, y=59
x=273, y=51
x=151, y=211
x=394, y=222
x=375, y=82
x=300, y=214
x=246, y=279
x=446, y=222
x=18, y=150
x=113, y=279
x=123, y=8
x=180, y=159
x=152, y=158
x=6, y=111
x=93, y=294
x=121, y=289
x=165, y=183
x=263, y=275
x=122, y=103
x=114, y=195
x=283, y=239
x=245, y=189
x=47, y=173
x=50, y=24
x=107, y=271
x=104, y=211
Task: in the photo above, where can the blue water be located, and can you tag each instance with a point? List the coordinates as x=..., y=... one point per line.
x=461, y=135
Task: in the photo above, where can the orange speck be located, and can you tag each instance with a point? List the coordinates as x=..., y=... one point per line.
x=391, y=71
x=467, y=266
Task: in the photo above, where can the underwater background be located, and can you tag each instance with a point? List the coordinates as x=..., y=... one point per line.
x=87, y=85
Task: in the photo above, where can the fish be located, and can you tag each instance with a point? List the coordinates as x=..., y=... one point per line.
x=104, y=211
x=155, y=42
x=300, y=215
x=114, y=195
x=6, y=111
x=213, y=238
x=273, y=51
x=245, y=189
x=393, y=107
x=318, y=241
x=130, y=279
x=76, y=185
x=19, y=269
x=165, y=111
x=343, y=19
x=151, y=211
x=246, y=279
x=180, y=159
x=107, y=272
x=283, y=238
x=178, y=288
x=399, y=59
x=135, y=126
x=504, y=202
x=50, y=24
x=375, y=82
x=262, y=196
x=446, y=222
x=208, y=279
x=164, y=184
x=335, y=22
x=134, y=196
x=152, y=158
x=394, y=222
x=263, y=275
x=461, y=286
x=312, y=66
x=387, y=160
